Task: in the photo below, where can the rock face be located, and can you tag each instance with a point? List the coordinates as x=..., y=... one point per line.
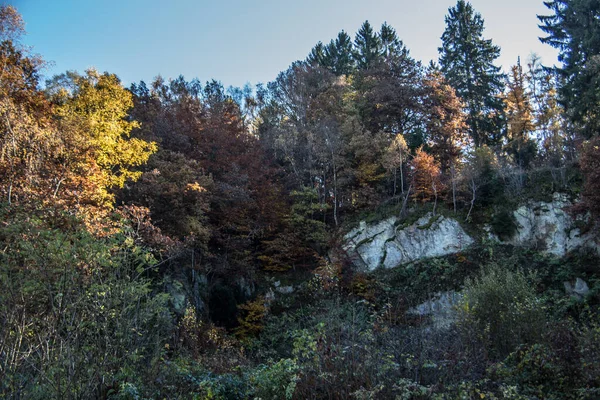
x=441, y=308
x=550, y=228
x=579, y=290
x=387, y=245
x=546, y=226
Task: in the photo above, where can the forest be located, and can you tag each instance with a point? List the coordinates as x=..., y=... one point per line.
x=177, y=239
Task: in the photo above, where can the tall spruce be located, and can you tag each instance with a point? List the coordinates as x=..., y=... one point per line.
x=339, y=54
x=467, y=60
x=367, y=47
x=574, y=29
x=317, y=55
x=391, y=46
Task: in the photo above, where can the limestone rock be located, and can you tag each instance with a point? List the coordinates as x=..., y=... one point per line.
x=178, y=296
x=285, y=289
x=579, y=290
x=441, y=308
x=550, y=228
x=387, y=245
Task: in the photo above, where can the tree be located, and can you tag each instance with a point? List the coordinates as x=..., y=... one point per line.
x=317, y=55
x=388, y=94
x=481, y=180
x=367, y=47
x=286, y=128
x=337, y=56
x=391, y=46
x=549, y=115
x=467, y=61
x=426, y=177
x=445, y=120
x=395, y=156
x=93, y=108
x=177, y=192
x=574, y=29
x=27, y=135
x=519, y=115
x=590, y=166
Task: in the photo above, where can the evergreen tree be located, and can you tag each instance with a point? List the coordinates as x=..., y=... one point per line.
x=391, y=46
x=338, y=55
x=574, y=30
x=316, y=55
x=467, y=60
x=367, y=46
x=550, y=119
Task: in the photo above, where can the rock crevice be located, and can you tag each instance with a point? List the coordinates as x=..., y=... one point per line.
x=386, y=245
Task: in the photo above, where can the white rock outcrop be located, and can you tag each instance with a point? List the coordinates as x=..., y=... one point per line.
x=549, y=228
x=546, y=226
x=441, y=307
x=387, y=245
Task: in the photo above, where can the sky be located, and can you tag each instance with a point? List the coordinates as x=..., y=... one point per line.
x=243, y=41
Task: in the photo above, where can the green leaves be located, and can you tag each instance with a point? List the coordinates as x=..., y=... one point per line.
x=574, y=29
x=467, y=60
x=80, y=300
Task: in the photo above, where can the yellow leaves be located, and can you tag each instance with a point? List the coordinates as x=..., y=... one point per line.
x=195, y=187
x=396, y=153
x=251, y=324
x=369, y=173
x=95, y=111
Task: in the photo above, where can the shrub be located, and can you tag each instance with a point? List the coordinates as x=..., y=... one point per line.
x=503, y=309
x=504, y=224
x=276, y=381
x=76, y=317
x=252, y=322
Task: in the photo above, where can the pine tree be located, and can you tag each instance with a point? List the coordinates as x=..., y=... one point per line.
x=317, y=55
x=550, y=119
x=467, y=60
x=574, y=30
x=388, y=92
x=338, y=53
x=391, y=46
x=337, y=56
x=367, y=47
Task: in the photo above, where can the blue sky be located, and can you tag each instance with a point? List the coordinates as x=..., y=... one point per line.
x=239, y=41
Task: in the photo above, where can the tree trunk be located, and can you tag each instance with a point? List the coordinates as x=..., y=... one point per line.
x=405, y=201
x=335, y=200
x=473, y=188
x=395, y=179
x=401, y=176
x=453, y=177
x=435, y=193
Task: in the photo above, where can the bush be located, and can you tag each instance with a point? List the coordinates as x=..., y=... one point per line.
x=76, y=317
x=276, y=381
x=503, y=309
x=503, y=224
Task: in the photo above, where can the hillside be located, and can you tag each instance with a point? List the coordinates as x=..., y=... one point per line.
x=361, y=227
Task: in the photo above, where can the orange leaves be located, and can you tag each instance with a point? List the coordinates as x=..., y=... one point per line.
x=426, y=176
x=446, y=123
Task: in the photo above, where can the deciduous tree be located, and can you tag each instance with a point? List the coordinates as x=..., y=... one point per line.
x=519, y=115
